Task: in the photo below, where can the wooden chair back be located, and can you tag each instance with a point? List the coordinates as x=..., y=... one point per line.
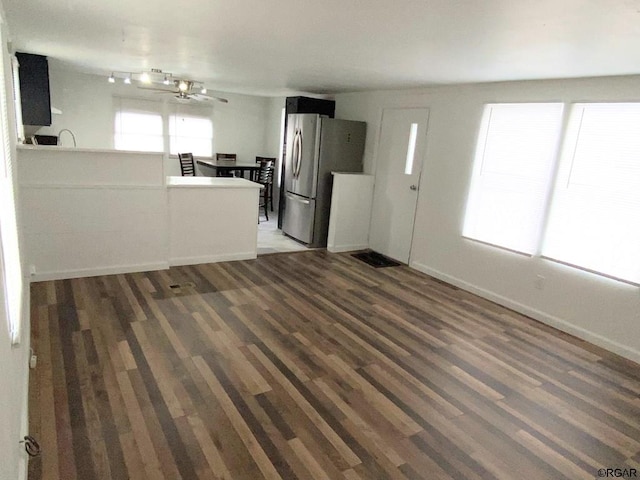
x=267, y=166
x=187, y=166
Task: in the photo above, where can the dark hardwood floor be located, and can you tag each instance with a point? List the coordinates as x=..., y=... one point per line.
x=315, y=366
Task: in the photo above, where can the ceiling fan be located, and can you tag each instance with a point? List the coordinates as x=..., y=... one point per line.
x=185, y=90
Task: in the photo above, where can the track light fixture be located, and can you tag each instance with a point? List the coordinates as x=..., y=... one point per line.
x=156, y=76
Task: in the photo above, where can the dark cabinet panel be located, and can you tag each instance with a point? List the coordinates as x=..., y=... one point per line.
x=34, y=89
x=310, y=105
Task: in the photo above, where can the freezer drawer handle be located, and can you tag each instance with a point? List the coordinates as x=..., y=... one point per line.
x=291, y=197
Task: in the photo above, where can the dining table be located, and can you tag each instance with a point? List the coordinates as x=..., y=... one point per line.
x=226, y=168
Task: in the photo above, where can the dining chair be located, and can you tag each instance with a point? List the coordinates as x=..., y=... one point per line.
x=265, y=178
x=187, y=166
x=226, y=157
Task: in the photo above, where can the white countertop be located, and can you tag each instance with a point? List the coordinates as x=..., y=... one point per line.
x=59, y=148
x=210, y=182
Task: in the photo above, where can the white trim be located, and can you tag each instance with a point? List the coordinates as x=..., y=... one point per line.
x=543, y=317
x=225, y=257
x=93, y=272
x=346, y=248
x=106, y=186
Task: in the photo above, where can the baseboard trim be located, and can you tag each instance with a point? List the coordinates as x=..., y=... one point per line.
x=567, y=327
x=346, y=248
x=229, y=257
x=94, y=272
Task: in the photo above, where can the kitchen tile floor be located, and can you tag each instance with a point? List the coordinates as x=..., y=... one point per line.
x=272, y=240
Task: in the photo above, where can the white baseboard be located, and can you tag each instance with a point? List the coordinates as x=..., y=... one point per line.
x=225, y=257
x=346, y=248
x=560, y=324
x=93, y=272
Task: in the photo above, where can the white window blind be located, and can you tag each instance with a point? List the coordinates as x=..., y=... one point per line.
x=10, y=266
x=191, y=130
x=595, y=215
x=514, y=162
x=138, y=125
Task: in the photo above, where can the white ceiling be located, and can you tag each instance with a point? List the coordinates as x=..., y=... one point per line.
x=276, y=47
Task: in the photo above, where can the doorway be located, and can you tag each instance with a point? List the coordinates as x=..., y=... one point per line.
x=401, y=148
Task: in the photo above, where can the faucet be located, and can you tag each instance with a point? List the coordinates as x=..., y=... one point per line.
x=72, y=136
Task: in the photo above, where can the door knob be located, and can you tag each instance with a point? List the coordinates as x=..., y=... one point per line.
x=413, y=187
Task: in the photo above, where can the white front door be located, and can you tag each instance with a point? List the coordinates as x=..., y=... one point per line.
x=401, y=148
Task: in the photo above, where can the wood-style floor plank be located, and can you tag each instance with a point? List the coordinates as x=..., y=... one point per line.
x=315, y=366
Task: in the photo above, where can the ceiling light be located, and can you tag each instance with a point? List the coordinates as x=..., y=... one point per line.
x=166, y=80
x=112, y=79
x=145, y=78
x=183, y=86
x=203, y=90
x=127, y=79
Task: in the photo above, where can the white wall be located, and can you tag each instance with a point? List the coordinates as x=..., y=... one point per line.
x=273, y=134
x=81, y=216
x=600, y=310
x=86, y=101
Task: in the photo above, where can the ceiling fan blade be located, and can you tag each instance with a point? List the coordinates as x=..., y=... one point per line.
x=162, y=90
x=202, y=97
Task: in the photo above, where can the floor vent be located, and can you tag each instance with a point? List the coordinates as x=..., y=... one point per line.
x=375, y=259
x=182, y=285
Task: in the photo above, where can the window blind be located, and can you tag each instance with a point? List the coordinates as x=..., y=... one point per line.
x=138, y=125
x=514, y=162
x=191, y=130
x=9, y=247
x=594, y=220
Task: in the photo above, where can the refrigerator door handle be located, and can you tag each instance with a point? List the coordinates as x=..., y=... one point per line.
x=294, y=162
x=298, y=147
x=299, y=200
x=294, y=154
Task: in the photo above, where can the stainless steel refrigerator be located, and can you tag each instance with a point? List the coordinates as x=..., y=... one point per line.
x=316, y=146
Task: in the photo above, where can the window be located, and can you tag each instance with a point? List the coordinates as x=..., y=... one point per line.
x=10, y=267
x=138, y=126
x=190, y=133
x=579, y=206
x=514, y=163
x=594, y=219
x=411, y=149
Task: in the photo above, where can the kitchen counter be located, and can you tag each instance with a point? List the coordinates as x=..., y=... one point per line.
x=61, y=148
x=99, y=212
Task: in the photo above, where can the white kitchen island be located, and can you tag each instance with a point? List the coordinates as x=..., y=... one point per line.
x=85, y=212
x=212, y=219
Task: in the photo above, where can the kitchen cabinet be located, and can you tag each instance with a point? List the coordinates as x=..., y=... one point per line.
x=34, y=89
